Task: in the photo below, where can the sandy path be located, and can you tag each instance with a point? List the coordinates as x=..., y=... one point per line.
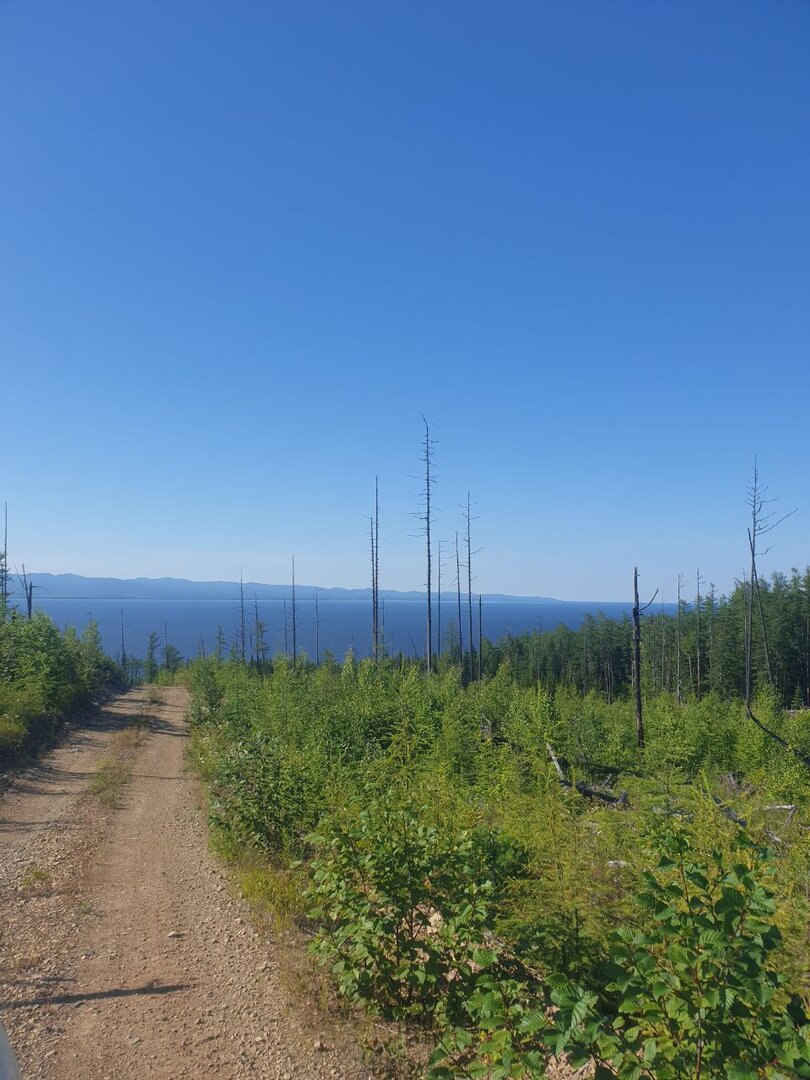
x=123, y=951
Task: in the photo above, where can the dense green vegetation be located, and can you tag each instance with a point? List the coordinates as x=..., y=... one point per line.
x=44, y=675
x=457, y=876
x=698, y=651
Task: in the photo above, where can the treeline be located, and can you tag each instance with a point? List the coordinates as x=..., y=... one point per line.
x=45, y=673
x=699, y=650
x=463, y=853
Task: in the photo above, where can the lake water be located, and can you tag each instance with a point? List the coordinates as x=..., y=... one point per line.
x=343, y=624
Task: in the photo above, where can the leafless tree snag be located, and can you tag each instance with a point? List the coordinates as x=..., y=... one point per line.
x=637, y=659
x=427, y=459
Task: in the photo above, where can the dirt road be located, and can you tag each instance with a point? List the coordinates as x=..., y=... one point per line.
x=124, y=952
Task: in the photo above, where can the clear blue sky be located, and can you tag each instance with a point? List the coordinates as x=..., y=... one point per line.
x=244, y=246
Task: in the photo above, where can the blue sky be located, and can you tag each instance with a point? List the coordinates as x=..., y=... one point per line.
x=243, y=247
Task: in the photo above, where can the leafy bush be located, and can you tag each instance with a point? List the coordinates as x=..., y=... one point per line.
x=406, y=911
x=696, y=994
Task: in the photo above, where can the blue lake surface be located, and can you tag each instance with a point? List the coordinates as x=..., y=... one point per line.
x=344, y=624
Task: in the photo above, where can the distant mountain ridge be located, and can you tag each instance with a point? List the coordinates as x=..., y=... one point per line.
x=78, y=587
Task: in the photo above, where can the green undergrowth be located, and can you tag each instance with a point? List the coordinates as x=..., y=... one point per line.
x=417, y=828
x=45, y=675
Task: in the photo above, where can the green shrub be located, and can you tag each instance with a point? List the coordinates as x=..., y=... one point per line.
x=693, y=991
x=405, y=910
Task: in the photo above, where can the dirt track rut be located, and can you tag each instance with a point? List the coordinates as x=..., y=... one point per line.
x=124, y=951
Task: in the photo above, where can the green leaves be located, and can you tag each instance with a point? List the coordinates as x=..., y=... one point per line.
x=697, y=996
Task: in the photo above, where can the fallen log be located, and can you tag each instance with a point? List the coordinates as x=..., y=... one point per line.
x=586, y=789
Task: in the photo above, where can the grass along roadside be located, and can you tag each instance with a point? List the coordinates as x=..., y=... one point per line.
x=114, y=770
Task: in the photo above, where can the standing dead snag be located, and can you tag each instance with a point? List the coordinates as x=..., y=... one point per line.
x=637, y=659
x=468, y=519
x=241, y=617
x=374, y=528
x=376, y=568
x=4, y=560
x=761, y=524
x=28, y=590
x=458, y=595
x=427, y=458
x=317, y=630
x=294, y=627
x=439, y=604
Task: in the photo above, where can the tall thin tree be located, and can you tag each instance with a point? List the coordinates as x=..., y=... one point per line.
x=241, y=617
x=468, y=519
x=294, y=624
x=376, y=570
x=763, y=521
x=123, y=648
x=427, y=460
x=458, y=596
x=679, y=612
x=317, y=630
x=4, y=560
x=480, y=635
x=637, y=612
x=698, y=657
x=373, y=592
x=439, y=601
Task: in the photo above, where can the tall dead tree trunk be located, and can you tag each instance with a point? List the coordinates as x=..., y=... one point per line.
x=678, y=682
x=480, y=635
x=28, y=591
x=241, y=617
x=4, y=560
x=439, y=602
x=637, y=663
x=317, y=631
x=458, y=594
x=761, y=524
x=376, y=567
x=294, y=624
x=697, y=638
x=467, y=516
x=427, y=458
x=637, y=612
x=373, y=594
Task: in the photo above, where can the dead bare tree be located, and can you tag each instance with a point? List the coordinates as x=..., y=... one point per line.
x=317, y=630
x=637, y=611
x=28, y=590
x=458, y=594
x=427, y=460
x=294, y=625
x=241, y=617
x=439, y=602
x=678, y=682
x=480, y=635
x=4, y=560
x=373, y=592
x=259, y=628
x=763, y=521
x=468, y=519
x=697, y=635
x=374, y=528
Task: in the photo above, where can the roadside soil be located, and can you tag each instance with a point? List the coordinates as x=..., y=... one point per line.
x=124, y=950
